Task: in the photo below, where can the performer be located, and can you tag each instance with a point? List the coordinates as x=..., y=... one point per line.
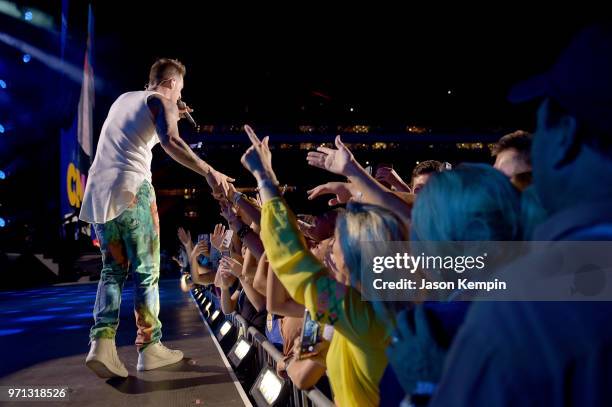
x=120, y=202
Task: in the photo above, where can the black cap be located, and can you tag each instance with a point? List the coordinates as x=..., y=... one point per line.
x=580, y=81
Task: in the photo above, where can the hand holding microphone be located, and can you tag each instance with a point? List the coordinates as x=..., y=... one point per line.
x=184, y=112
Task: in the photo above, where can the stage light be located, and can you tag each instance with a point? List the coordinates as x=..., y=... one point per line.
x=215, y=319
x=26, y=58
x=270, y=389
x=207, y=307
x=2, y=223
x=226, y=336
x=240, y=353
x=225, y=328
x=449, y=92
x=352, y=109
x=2, y=175
x=27, y=15
x=2, y=84
x=1, y=128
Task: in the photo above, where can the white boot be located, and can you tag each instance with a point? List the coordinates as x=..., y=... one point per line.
x=157, y=355
x=103, y=359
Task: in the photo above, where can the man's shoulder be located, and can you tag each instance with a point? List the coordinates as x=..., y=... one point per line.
x=157, y=102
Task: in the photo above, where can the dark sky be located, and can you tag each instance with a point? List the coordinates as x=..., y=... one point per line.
x=393, y=68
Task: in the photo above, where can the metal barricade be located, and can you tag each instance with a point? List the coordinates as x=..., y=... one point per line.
x=267, y=355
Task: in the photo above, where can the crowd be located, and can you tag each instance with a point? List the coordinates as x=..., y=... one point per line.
x=554, y=185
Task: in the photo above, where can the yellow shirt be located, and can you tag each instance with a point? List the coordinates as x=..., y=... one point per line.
x=356, y=358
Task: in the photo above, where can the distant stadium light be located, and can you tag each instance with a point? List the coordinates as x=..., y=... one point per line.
x=27, y=15
x=26, y=58
x=2, y=84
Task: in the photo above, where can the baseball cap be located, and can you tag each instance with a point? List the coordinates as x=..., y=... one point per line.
x=580, y=81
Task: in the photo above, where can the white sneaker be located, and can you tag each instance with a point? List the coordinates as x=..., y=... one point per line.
x=157, y=355
x=103, y=359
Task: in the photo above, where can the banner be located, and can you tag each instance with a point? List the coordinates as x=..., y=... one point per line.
x=76, y=151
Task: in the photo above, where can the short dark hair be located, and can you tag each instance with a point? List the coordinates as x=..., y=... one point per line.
x=519, y=140
x=165, y=68
x=427, y=167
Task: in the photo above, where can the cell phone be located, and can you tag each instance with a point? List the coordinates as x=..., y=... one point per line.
x=203, y=260
x=227, y=239
x=311, y=335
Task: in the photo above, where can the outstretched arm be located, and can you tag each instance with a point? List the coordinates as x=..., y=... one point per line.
x=362, y=186
x=166, y=116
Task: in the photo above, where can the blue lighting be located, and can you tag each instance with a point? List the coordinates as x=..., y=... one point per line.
x=2, y=223
x=2, y=174
x=71, y=327
x=76, y=301
x=83, y=315
x=27, y=15
x=1, y=128
x=35, y=318
x=26, y=58
x=58, y=309
x=2, y=84
x=6, y=332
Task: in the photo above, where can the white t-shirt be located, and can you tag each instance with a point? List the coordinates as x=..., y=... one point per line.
x=123, y=158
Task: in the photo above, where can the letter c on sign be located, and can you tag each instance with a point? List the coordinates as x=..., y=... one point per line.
x=74, y=186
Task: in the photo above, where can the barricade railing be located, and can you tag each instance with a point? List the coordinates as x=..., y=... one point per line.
x=268, y=355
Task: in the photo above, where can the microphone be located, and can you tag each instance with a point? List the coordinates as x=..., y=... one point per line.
x=182, y=105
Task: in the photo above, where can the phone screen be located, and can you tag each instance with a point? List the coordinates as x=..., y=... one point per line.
x=203, y=260
x=310, y=335
x=227, y=239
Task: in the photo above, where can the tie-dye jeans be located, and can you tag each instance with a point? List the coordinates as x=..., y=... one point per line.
x=130, y=242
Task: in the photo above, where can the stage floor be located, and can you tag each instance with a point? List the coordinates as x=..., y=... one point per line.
x=44, y=341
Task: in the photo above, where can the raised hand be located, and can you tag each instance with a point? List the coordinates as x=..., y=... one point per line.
x=219, y=183
x=339, y=161
x=343, y=192
x=414, y=352
x=225, y=278
x=200, y=249
x=391, y=177
x=185, y=237
x=216, y=239
x=232, y=265
x=258, y=158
